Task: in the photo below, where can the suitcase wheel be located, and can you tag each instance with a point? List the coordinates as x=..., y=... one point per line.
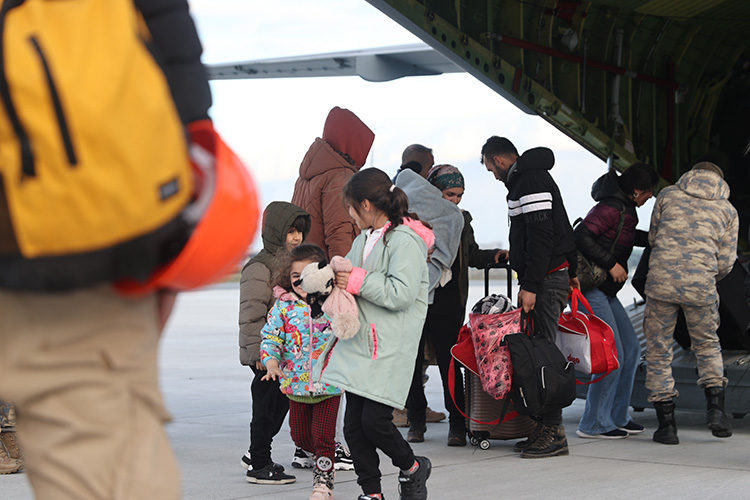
x=484, y=444
x=474, y=441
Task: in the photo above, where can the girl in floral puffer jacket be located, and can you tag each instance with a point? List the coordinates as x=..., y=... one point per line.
x=292, y=343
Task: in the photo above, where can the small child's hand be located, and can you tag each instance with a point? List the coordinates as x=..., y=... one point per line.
x=342, y=279
x=274, y=372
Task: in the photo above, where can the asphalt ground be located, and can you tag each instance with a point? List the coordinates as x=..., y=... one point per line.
x=208, y=393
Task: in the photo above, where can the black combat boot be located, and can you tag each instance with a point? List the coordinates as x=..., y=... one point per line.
x=416, y=431
x=667, y=431
x=716, y=419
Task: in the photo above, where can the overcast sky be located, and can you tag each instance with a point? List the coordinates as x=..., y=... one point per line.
x=272, y=122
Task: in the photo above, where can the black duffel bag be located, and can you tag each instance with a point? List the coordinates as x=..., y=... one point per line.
x=543, y=380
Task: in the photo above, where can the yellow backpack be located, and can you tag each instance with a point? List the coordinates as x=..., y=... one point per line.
x=94, y=167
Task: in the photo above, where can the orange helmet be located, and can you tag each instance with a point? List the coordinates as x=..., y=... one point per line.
x=226, y=211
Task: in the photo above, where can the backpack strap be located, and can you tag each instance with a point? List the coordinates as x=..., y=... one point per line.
x=619, y=229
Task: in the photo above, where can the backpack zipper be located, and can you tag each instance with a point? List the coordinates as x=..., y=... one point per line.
x=27, y=155
x=56, y=104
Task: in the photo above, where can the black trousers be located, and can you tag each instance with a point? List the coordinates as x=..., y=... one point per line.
x=270, y=407
x=442, y=330
x=550, y=302
x=368, y=426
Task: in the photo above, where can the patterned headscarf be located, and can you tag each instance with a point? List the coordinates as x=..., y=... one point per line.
x=445, y=176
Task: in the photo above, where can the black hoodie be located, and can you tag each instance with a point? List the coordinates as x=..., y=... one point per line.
x=541, y=238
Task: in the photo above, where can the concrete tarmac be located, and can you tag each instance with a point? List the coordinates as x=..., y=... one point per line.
x=208, y=393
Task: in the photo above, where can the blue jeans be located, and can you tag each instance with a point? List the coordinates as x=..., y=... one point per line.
x=607, y=401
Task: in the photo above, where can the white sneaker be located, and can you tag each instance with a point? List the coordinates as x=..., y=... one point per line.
x=303, y=459
x=342, y=459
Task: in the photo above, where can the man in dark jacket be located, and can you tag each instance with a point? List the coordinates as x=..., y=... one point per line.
x=542, y=252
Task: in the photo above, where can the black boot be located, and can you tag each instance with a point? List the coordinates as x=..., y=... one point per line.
x=716, y=419
x=457, y=433
x=667, y=431
x=416, y=431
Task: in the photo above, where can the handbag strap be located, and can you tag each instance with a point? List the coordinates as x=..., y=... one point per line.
x=505, y=415
x=575, y=297
x=619, y=229
x=593, y=380
x=527, y=323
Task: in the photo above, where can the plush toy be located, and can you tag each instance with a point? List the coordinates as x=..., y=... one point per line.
x=317, y=280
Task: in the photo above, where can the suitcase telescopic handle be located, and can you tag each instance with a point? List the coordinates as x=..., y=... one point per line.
x=498, y=265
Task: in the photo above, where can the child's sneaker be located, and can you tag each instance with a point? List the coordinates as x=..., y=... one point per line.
x=376, y=496
x=321, y=492
x=342, y=459
x=414, y=486
x=323, y=483
x=303, y=459
x=270, y=474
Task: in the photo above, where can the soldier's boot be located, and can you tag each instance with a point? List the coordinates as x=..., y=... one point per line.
x=667, y=431
x=8, y=464
x=10, y=441
x=716, y=419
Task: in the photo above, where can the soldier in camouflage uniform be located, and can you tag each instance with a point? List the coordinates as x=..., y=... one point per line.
x=10, y=454
x=693, y=238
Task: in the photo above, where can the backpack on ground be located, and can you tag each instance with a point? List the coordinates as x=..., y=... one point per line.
x=94, y=168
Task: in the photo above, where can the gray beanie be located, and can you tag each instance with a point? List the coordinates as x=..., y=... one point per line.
x=707, y=165
x=709, y=162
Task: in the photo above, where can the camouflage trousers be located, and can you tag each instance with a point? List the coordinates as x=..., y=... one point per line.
x=659, y=322
x=7, y=417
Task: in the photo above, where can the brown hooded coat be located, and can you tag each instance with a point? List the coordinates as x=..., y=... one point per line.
x=323, y=173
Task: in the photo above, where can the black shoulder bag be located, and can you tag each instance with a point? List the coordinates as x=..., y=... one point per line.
x=591, y=274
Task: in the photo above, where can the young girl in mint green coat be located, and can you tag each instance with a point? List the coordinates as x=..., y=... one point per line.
x=390, y=282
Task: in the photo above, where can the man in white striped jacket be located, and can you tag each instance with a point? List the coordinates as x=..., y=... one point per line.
x=542, y=252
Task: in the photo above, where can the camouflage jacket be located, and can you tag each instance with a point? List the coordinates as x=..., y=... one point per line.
x=693, y=237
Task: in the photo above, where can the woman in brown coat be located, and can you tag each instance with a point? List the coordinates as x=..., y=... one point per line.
x=327, y=166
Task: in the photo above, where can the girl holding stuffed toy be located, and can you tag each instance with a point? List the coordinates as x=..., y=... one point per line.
x=390, y=280
x=292, y=343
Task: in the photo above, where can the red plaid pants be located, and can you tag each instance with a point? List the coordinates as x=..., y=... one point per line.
x=314, y=426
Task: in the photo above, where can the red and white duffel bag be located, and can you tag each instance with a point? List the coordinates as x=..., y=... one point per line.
x=586, y=340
